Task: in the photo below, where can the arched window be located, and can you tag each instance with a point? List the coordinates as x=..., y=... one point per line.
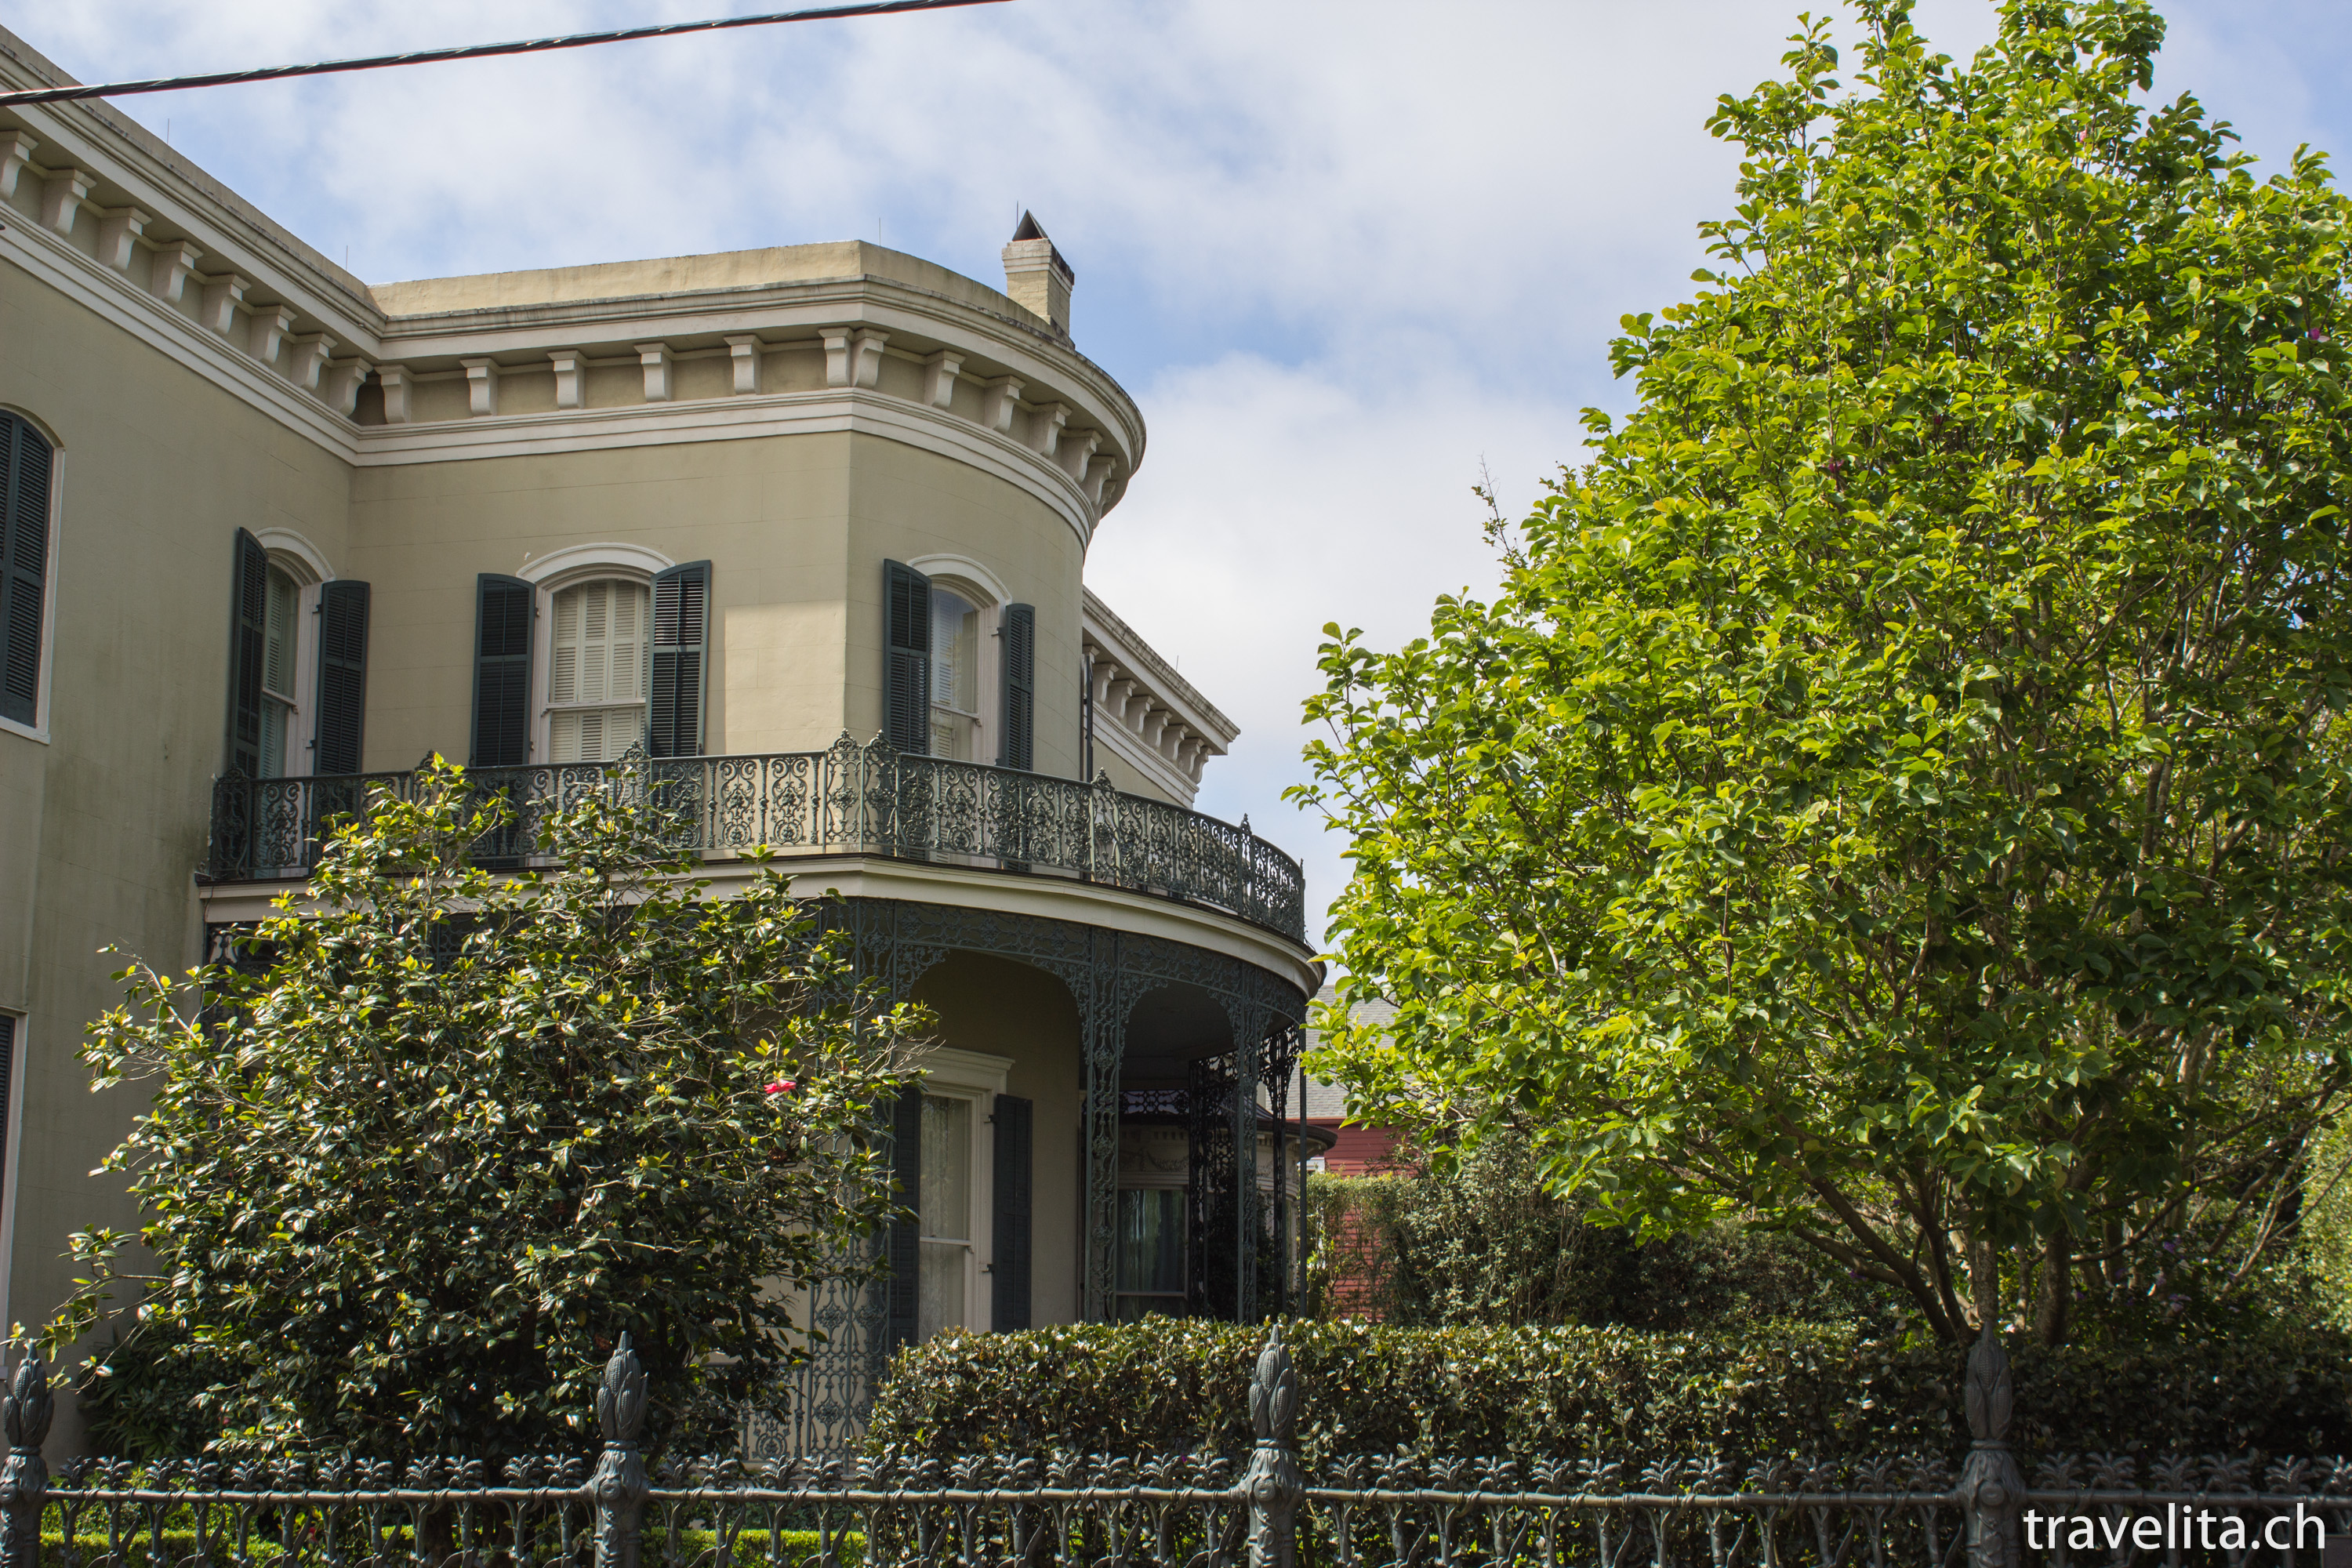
x=597, y=670
x=297, y=660
x=281, y=634
x=955, y=674
x=596, y=648
x=959, y=664
x=26, y=459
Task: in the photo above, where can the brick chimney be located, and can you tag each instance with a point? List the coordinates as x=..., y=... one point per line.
x=1036, y=277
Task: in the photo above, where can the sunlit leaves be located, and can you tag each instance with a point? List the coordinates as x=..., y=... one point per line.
x=1900, y=788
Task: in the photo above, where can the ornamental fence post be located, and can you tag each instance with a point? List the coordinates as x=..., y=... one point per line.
x=618, y=1487
x=24, y=1412
x=1992, y=1490
x=1273, y=1483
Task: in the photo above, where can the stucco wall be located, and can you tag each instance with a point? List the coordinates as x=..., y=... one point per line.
x=905, y=504
x=105, y=824
x=797, y=654
x=1008, y=1009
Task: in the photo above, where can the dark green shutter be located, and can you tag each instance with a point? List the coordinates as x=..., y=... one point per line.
x=1009, y=1230
x=343, y=678
x=1020, y=661
x=906, y=672
x=248, y=634
x=905, y=1284
x=24, y=564
x=502, y=626
x=681, y=679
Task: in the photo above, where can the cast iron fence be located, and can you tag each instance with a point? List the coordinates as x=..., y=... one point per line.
x=846, y=799
x=989, y=1510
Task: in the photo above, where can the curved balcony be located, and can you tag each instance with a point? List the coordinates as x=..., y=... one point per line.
x=845, y=800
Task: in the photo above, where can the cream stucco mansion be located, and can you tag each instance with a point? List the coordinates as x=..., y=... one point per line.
x=807, y=527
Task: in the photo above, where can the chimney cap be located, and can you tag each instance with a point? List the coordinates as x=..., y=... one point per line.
x=1038, y=248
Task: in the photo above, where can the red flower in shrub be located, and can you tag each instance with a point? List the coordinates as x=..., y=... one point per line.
x=782, y=1086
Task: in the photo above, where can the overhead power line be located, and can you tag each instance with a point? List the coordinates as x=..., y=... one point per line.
x=476, y=51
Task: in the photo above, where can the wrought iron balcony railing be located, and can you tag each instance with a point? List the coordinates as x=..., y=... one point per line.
x=847, y=799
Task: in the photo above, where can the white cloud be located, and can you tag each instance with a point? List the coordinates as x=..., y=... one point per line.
x=1282, y=499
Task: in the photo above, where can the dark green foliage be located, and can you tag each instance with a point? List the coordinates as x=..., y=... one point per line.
x=1789, y=1389
x=453, y=1132
x=1487, y=1243
x=138, y=1399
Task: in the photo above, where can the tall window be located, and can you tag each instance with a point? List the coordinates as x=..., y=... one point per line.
x=955, y=674
x=298, y=664
x=1150, y=1252
x=25, y=464
x=282, y=631
x=932, y=676
x=598, y=680
x=944, y=1208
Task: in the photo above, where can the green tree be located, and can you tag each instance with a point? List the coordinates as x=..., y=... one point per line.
x=448, y=1132
x=1898, y=792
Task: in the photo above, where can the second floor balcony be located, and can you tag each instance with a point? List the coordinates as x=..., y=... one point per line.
x=848, y=799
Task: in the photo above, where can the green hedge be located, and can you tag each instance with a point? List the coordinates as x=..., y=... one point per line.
x=1793, y=1390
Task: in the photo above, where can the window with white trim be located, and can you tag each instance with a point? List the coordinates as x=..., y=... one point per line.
x=282, y=642
x=944, y=1208
x=597, y=670
x=953, y=1191
x=955, y=674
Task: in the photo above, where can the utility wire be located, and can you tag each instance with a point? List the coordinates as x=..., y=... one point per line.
x=476, y=51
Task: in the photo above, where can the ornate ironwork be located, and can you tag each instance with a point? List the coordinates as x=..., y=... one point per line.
x=1407, y=1510
x=619, y=1485
x=1990, y=1479
x=24, y=1412
x=1106, y=973
x=1215, y=1163
x=846, y=799
x=1273, y=1481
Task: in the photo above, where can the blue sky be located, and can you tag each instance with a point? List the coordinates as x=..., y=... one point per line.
x=1343, y=252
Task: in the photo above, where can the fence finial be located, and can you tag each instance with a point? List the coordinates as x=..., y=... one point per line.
x=1992, y=1490
x=619, y=1485
x=1273, y=1483
x=25, y=1410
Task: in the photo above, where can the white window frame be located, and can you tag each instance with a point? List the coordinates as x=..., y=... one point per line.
x=978, y=587
x=307, y=564
x=549, y=575
x=38, y=730
x=977, y=1078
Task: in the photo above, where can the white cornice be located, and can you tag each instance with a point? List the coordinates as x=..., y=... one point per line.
x=83, y=279
x=831, y=409
x=785, y=313
x=1127, y=648
x=106, y=293
x=1007, y=892
x=1129, y=749
x=126, y=159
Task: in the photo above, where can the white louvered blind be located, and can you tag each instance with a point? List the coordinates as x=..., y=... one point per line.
x=596, y=681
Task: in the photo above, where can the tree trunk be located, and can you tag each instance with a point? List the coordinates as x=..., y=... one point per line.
x=1984, y=1282
x=2054, y=1314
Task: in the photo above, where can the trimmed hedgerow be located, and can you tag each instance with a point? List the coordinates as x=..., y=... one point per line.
x=1779, y=1390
